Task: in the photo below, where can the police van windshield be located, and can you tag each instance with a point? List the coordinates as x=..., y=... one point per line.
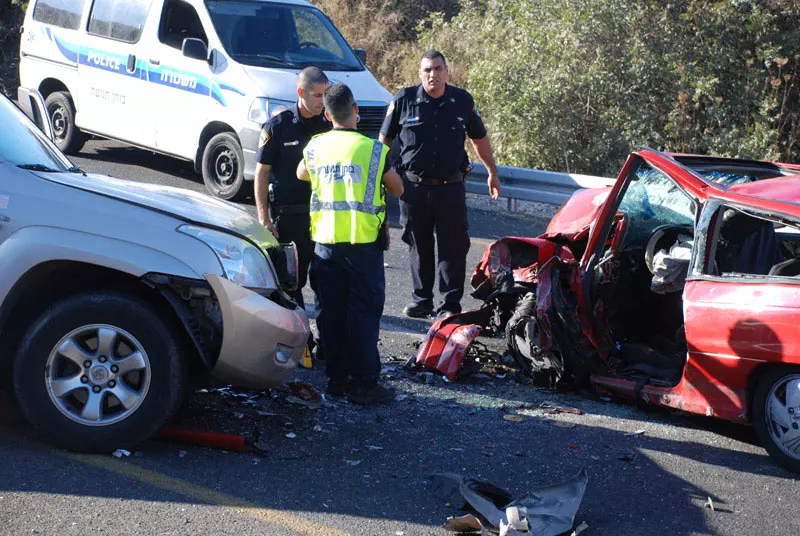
x=264, y=34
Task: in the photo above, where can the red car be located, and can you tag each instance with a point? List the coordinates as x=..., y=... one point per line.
x=679, y=286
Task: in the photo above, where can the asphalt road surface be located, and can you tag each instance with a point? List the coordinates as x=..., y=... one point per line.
x=342, y=469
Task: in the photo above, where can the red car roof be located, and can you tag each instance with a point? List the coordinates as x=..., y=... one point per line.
x=783, y=189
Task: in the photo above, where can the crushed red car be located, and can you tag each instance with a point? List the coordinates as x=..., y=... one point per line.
x=678, y=286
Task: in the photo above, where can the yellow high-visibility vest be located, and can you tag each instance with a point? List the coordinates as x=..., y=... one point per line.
x=347, y=202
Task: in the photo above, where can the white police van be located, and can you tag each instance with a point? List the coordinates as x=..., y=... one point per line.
x=192, y=79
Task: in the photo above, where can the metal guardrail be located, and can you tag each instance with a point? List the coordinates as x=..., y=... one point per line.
x=533, y=185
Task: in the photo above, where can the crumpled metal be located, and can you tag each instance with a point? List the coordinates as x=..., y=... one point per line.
x=546, y=511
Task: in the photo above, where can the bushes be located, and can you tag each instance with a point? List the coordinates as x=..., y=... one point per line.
x=576, y=84
x=12, y=13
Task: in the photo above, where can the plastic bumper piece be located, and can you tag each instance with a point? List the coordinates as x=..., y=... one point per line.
x=253, y=328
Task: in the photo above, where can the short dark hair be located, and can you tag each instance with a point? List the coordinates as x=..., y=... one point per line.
x=339, y=101
x=311, y=76
x=433, y=55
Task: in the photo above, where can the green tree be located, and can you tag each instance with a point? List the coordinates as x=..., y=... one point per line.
x=576, y=84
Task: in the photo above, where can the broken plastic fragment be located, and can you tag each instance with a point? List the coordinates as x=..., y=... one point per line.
x=552, y=407
x=467, y=523
x=636, y=433
x=119, y=453
x=514, y=418
x=291, y=435
x=580, y=528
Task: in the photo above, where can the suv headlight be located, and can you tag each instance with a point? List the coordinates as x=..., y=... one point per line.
x=262, y=109
x=242, y=262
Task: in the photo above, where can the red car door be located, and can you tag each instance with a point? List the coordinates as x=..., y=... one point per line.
x=741, y=303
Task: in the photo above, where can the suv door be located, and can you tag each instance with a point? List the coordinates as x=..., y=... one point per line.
x=113, y=77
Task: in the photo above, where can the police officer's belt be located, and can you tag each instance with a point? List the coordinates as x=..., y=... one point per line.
x=458, y=176
x=286, y=210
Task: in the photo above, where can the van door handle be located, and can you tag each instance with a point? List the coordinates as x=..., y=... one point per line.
x=155, y=62
x=131, y=63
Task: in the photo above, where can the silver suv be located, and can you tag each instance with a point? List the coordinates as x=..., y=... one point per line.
x=113, y=292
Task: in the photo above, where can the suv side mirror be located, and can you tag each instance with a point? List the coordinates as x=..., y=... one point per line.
x=361, y=54
x=32, y=103
x=195, y=49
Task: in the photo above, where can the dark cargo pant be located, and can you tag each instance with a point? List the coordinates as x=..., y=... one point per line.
x=352, y=290
x=442, y=208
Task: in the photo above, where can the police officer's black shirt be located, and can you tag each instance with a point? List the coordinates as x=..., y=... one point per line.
x=281, y=145
x=432, y=131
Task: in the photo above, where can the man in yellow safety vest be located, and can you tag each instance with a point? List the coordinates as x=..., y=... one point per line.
x=348, y=174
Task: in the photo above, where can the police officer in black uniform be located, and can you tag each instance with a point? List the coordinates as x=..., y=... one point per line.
x=280, y=150
x=431, y=122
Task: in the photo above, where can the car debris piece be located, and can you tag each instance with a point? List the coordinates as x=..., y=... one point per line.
x=466, y=523
x=512, y=417
x=119, y=453
x=580, y=528
x=303, y=390
x=200, y=438
x=447, y=341
x=636, y=433
x=627, y=456
x=546, y=511
x=552, y=407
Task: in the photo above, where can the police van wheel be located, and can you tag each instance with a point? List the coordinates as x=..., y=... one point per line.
x=62, y=118
x=223, y=168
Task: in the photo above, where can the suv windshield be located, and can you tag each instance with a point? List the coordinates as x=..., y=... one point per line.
x=23, y=144
x=280, y=35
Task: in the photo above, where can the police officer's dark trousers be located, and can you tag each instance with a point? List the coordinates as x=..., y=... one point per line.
x=442, y=208
x=293, y=224
x=352, y=289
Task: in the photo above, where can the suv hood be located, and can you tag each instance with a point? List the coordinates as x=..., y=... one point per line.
x=280, y=83
x=183, y=204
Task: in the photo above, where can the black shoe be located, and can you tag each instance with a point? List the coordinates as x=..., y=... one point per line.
x=319, y=355
x=445, y=311
x=379, y=394
x=338, y=388
x=418, y=310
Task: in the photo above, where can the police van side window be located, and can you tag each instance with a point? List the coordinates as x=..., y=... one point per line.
x=180, y=21
x=62, y=13
x=122, y=20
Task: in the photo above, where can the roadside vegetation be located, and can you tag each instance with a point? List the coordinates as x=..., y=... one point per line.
x=574, y=85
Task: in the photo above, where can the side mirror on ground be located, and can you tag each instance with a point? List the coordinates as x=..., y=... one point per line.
x=361, y=54
x=195, y=49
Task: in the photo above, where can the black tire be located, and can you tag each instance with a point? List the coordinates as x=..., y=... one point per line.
x=61, y=111
x=516, y=333
x=156, y=399
x=766, y=427
x=223, y=168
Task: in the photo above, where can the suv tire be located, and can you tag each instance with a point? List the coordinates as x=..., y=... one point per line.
x=98, y=371
x=223, y=168
x=61, y=111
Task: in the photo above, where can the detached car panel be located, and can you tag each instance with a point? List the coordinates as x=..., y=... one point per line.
x=678, y=286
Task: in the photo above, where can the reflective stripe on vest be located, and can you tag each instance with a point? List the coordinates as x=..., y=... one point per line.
x=369, y=195
x=347, y=203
